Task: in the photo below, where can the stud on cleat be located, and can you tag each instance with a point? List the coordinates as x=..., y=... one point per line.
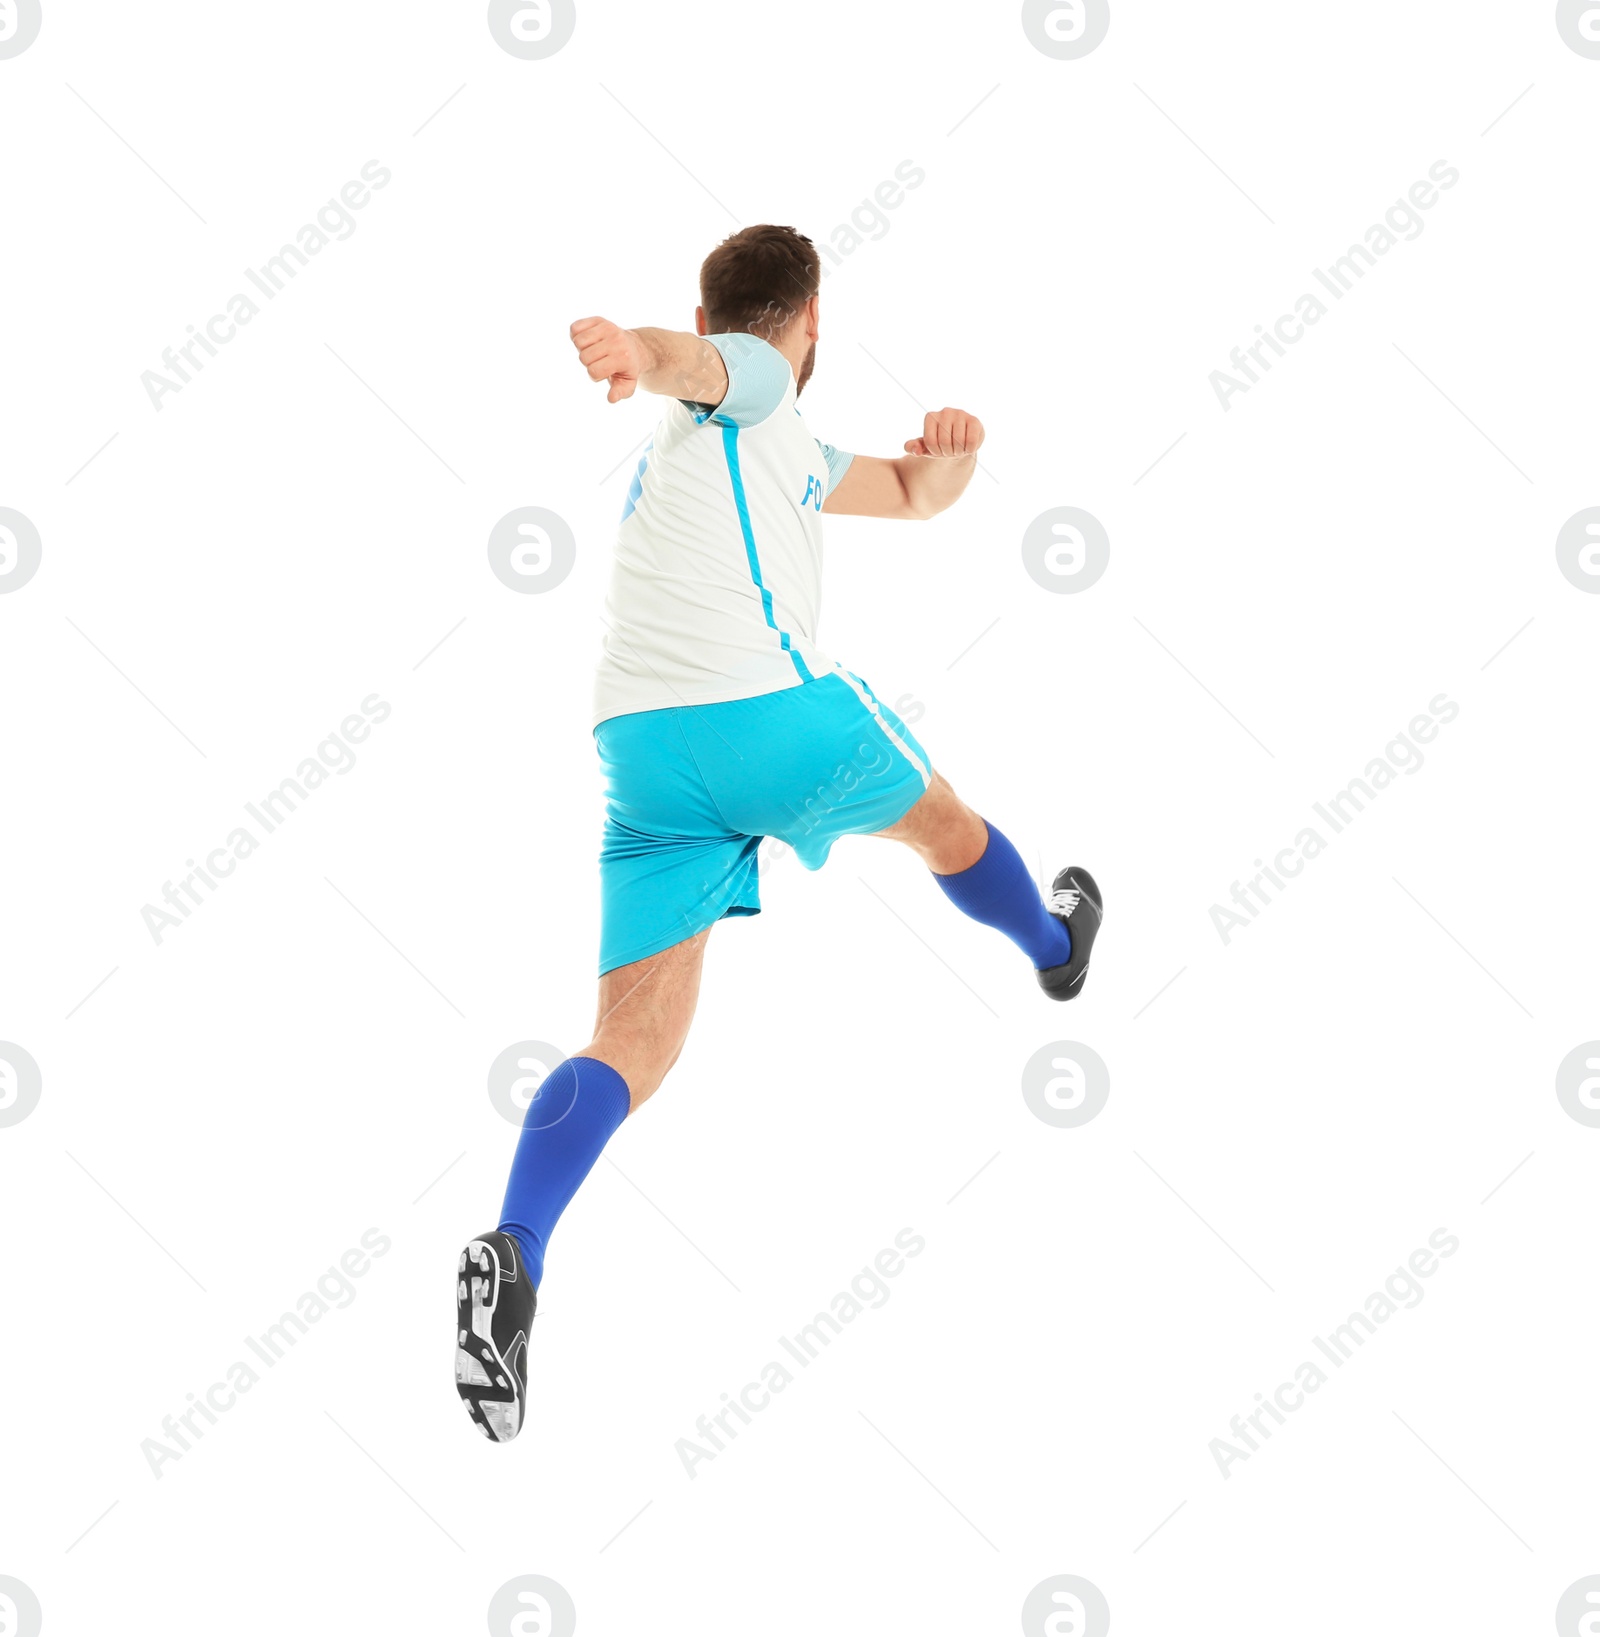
x=468, y=1369
x=502, y=1421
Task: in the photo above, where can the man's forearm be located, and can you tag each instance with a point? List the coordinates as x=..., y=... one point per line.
x=679, y=365
x=934, y=485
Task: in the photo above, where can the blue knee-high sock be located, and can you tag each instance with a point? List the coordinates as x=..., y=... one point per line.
x=998, y=891
x=580, y=1104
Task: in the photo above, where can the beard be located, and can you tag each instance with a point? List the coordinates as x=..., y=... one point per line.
x=805, y=369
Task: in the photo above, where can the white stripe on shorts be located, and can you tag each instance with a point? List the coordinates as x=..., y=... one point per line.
x=889, y=733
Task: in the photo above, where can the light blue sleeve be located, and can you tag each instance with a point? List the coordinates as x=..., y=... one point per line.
x=758, y=378
x=838, y=463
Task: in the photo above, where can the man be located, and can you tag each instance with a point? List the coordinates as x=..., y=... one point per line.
x=720, y=721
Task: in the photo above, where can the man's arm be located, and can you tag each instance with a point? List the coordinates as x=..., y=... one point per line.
x=670, y=362
x=931, y=476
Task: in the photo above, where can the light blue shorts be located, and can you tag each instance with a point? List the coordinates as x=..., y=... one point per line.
x=691, y=791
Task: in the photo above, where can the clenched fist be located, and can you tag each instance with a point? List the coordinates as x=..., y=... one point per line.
x=611, y=353
x=947, y=433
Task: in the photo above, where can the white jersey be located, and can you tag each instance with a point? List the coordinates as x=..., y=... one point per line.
x=716, y=584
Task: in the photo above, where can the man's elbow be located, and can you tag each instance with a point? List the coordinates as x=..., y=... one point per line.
x=915, y=507
x=919, y=508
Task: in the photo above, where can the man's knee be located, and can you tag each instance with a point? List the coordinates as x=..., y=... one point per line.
x=947, y=834
x=643, y=1063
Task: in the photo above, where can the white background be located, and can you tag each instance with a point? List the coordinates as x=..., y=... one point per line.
x=300, y=1061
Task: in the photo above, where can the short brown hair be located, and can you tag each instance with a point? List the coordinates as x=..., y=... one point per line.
x=758, y=280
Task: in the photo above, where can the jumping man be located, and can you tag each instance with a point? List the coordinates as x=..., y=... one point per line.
x=720, y=721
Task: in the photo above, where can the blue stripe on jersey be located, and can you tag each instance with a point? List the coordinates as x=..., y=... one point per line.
x=636, y=488
x=730, y=448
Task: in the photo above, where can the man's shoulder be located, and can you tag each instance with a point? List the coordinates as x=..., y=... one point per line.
x=760, y=381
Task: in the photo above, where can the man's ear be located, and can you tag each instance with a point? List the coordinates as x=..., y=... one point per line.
x=813, y=310
x=700, y=321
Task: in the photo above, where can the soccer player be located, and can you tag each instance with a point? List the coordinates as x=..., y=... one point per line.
x=720, y=721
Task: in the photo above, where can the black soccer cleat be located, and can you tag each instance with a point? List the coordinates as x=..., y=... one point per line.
x=494, y=1312
x=1076, y=903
